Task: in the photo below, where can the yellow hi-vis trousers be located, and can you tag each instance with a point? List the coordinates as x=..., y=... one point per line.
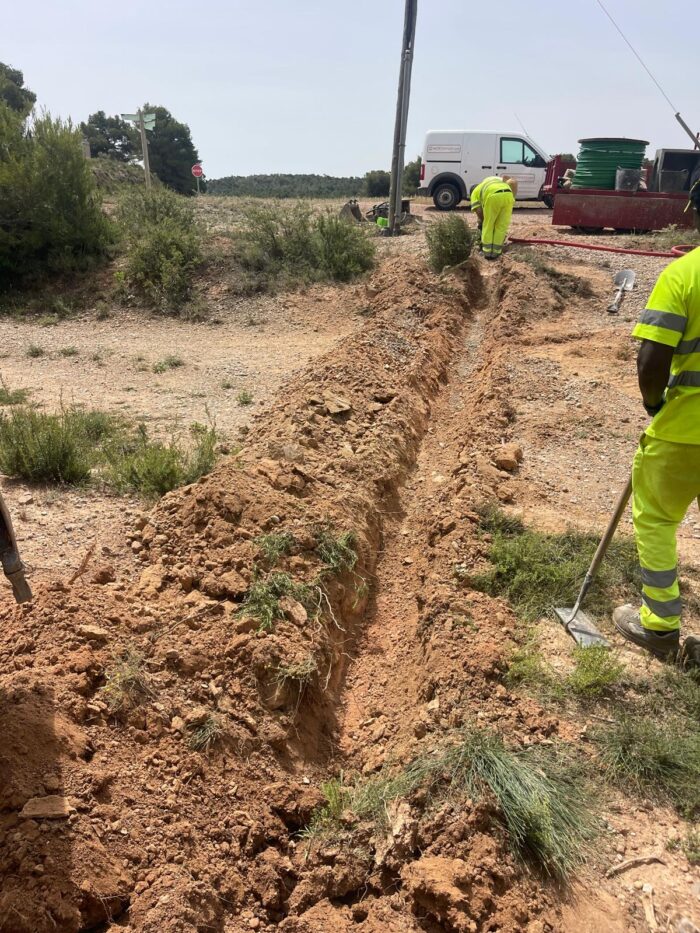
x=498, y=209
x=665, y=480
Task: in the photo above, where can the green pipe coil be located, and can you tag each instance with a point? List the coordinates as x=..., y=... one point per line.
x=599, y=160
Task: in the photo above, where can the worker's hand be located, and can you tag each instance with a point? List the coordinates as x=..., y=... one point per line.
x=653, y=410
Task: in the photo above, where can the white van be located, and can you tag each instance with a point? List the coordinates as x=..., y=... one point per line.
x=455, y=161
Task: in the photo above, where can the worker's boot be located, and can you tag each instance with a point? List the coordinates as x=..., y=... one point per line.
x=663, y=645
x=689, y=655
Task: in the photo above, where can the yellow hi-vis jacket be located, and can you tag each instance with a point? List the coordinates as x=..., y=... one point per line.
x=489, y=185
x=672, y=317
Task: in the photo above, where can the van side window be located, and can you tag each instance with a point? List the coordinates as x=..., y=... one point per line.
x=517, y=152
x=512, y=151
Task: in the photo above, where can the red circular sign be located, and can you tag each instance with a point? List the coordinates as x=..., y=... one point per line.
x=197, y=170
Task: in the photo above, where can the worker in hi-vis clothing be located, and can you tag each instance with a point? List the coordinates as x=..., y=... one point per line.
x=666, y=471
x=492, y=201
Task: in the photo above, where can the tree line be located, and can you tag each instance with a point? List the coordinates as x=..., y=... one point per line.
x=373, y=184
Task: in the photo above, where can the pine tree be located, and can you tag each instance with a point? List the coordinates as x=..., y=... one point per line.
x=171, y=151
x=111, y=137
x=13, y=92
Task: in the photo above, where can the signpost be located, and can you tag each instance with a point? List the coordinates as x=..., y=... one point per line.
x=198, y=172
x=145, y=121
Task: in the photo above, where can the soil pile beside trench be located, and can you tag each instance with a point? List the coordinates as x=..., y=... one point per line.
x=165, y=737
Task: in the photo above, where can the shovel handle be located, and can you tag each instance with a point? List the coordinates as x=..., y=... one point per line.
x=614, y=306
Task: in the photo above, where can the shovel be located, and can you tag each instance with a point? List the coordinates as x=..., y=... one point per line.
x=623, y=282
x=577, y=623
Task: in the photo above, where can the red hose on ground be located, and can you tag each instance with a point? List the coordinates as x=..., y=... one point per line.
x=676, y=251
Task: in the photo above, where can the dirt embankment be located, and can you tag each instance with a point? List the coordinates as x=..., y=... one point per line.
x=141, y=820
x=299, y=663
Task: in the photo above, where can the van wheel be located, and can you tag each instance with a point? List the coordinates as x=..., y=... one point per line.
x=446, y=197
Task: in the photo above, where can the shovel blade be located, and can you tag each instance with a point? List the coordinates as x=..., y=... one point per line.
x=625, y=279
x=581, y=628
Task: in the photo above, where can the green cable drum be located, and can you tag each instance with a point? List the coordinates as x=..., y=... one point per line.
x=599, y=160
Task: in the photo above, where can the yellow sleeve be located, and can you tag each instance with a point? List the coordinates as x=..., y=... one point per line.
x=475, y=198
x=665, y=316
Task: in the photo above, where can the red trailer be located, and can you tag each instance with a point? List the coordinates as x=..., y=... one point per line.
x=553, y=175
x=593, y=209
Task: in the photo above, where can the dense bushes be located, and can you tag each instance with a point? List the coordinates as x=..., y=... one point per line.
x=297, y=245
x=76, y=445
x=51, y=220
x=449, y=242
x=163, y=245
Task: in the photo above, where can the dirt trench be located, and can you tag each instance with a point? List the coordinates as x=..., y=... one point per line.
x=393, y=437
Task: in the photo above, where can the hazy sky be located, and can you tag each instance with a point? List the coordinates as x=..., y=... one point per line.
x=309, y=85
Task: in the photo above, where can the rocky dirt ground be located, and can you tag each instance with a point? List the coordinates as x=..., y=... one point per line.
x=381, y=409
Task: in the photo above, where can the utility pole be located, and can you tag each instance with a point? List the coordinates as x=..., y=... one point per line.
x=399, y=152
x=144, y=150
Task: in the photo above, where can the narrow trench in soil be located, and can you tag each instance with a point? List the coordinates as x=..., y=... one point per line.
x=384, y=685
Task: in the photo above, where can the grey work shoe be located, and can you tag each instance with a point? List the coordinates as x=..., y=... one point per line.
x=663, y=645
x=689, y=655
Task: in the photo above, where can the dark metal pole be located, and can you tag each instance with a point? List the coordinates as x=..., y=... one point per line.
x=688, y=130
x=399, y=151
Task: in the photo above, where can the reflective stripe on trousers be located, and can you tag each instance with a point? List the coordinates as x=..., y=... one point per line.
x=665, y=481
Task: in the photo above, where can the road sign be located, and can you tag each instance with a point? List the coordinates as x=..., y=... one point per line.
x=197, y=170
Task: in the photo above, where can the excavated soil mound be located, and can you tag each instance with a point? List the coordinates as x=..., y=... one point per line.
x=164, y=738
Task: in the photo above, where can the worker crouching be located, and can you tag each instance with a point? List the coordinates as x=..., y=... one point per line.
x=492, y=201
x=666, y=471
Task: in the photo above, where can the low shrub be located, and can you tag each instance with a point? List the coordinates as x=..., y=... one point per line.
x=48, y=448
x=52, y=221
x=596, y=671
x=163, y=245
x=153, y=468
x=449, y=242
x=291, y=244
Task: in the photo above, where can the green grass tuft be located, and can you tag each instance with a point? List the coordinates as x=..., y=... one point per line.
x=35, y=352
x=338, y=553
x=126, y=683
x=543, y=802
x=46, y=448
x=13, y=396
x=206, y=734
x=167, y=363
x=275, y=545
x=68, y=352
x=262, y=601
x=537, y=571
x=660, y=760
x=244, y=398
x=597, y=670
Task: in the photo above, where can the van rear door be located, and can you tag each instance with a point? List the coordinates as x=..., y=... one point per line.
x=519, y=160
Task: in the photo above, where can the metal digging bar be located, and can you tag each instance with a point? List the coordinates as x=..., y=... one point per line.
x=9, y=557
x=580, y=626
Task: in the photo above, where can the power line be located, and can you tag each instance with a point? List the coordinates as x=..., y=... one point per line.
x=637, y=55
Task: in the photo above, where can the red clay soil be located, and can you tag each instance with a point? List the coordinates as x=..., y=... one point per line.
x=114, y=819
